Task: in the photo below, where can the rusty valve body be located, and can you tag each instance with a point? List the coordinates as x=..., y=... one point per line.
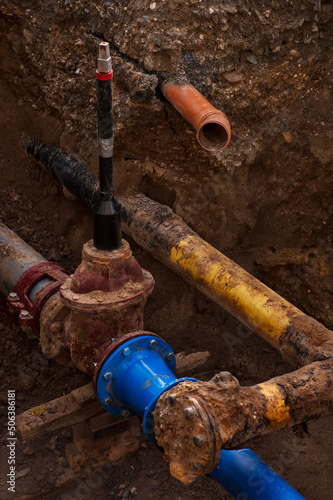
x=194, y=420
x=103, y=300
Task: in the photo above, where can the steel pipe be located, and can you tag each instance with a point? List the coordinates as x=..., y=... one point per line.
x=159, y=231
x=243, y=474
x=16, y=257
x=212, y=127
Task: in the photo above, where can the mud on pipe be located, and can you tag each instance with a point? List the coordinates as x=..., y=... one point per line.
x=193, y=421
x=157, y=229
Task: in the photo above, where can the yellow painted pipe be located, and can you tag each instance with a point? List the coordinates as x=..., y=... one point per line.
x=298, y=336
x=163, y=234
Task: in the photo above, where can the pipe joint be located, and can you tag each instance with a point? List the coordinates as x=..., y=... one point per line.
x=209, y=416
x=47, y=277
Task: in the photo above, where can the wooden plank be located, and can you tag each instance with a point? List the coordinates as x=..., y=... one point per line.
x=187, y=364
x=56, y=414
x=81, y=403
x=110, y=450
x=103, y=421
x=86, y=444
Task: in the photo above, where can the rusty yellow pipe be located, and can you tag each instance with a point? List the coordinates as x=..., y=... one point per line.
x=163, y=234
x=299, y=337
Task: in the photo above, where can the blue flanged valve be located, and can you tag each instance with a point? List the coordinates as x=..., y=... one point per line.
x=133, y=373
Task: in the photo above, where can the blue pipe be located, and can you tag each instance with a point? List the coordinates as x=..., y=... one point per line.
x=131, y=381
x=245, y=476
x=134, y=376
x=16, y=256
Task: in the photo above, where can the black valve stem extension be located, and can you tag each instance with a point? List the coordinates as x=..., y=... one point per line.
x=107, y=214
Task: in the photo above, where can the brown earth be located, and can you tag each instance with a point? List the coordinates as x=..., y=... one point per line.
x=266, y=201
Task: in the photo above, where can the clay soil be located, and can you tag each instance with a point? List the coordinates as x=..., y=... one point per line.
x=266, y=201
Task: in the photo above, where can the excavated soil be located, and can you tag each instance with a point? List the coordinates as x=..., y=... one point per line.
x=266, y=201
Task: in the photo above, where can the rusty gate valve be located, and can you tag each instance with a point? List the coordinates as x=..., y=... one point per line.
x=105, y=297
x=187, y=428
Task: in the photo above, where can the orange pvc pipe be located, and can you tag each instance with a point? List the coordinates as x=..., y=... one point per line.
x=212, y=126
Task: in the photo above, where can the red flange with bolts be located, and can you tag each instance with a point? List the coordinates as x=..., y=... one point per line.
x=18, y=300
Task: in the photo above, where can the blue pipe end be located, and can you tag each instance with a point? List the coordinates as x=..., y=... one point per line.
x=134, y=376
x=245, y=476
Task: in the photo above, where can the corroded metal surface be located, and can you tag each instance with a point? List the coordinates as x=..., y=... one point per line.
x=193, y=421
x=16, y=257
x=105, y=297
x=163, y=234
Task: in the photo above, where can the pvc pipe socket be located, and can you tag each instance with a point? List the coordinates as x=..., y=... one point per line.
x=212, y=126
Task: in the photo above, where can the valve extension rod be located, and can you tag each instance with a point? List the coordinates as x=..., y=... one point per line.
x=107, y=216
x=130, y=378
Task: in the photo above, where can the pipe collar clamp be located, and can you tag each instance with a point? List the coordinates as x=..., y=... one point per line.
x=19, y=300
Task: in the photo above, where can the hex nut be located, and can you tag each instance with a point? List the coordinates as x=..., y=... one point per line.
x=189, y=413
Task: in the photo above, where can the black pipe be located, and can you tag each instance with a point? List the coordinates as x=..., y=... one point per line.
x=107, y=213
x=65, y=170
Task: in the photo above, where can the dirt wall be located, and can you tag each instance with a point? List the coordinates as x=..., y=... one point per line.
x=265, y=201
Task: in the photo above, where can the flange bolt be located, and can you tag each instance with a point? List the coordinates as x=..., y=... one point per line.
x=24, y=314
x=198, y=440
x=152, y=344
x=107, y=401
x=126, y=351
x=189, y=413
x=13, y=296
x=107, y=376
x=125, y=412
x=170, y=356
x=172, y=400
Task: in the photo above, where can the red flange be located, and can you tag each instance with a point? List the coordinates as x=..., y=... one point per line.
x=25, y=284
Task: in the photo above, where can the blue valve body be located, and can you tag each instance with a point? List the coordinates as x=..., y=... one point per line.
x=133, y=378
x=137, y=375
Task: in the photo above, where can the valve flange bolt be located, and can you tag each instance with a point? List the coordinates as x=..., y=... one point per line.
x=125, y=412
x=75, y=297
x=189, y=413
x=107, y=401
x=13, y=296
x=152, y=344
x=172, y=400
x=126, y=351
x=107, y=376
x=169, y=356
x=199, y=440
x=24, y=314
x=63, y=287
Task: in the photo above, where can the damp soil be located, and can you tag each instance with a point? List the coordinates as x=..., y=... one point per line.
x=266, y=201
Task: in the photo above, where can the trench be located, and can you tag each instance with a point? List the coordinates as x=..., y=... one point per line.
x=266, y=204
